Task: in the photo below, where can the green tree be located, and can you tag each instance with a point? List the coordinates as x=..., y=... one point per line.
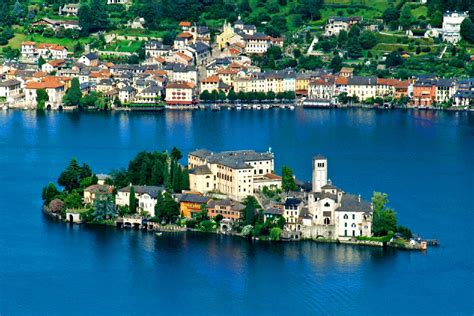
x=73, y=200
x=73, y=94
x=104, y=209
x=176, y=154
x=250, y=210
x=342, y=37
x=288, y=181
x=232, y=96
x=467, y=30
x=406, y=17
x=393, y=59
x=354, y=49
x=41, y=98
x=384, y=219
x=41, y=61
x=390, y=14
x=367, y=40
x=336, y=63
x=50, y=192
x=205, y=96
x=71, y=177
x=275, y=233
x=132, y=200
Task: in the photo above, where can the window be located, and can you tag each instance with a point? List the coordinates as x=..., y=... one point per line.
x=353, y=216
x=345, y=216
x=353, y=225
x=353, y=233
x=345, y=232
x=326, y=221
x=345, y=224
x=327, y=204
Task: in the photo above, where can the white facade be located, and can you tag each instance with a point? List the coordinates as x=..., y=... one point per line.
x=320, y=173
x=452, y=26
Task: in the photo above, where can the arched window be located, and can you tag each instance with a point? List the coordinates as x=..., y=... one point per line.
x=353, y=225
x=345, y=216
x=327, y=221
x=327, y=204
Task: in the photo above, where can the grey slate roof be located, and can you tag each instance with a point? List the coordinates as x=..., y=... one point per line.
x=233, y=159
x=194, y=198
x=200, y=170
x=273, y=211
x=151, y=190
x=319, y=157
x=9, y=83
x=351, y=203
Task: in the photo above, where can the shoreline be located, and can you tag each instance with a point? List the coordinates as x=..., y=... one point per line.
x=247, y=107
x=355, y=243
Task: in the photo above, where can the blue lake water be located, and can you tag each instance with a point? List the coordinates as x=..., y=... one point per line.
x=422, y=159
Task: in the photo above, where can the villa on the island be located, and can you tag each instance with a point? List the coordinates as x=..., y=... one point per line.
x=234, y=173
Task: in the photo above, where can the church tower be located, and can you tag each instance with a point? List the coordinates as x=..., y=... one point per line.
x=320, y=172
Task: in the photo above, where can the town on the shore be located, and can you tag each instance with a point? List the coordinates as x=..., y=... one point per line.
x=231, y=192
x=198, y=67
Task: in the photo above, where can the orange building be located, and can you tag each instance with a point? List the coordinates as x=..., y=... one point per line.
x=227, y=208
x=190, y=204
x=424, y=93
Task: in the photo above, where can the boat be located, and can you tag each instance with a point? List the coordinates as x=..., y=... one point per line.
x=238, y=107
x=292, y=107
x=158, y=233
x=254, y=106
x=5, y=107
x=266, y=106
x=215, y=107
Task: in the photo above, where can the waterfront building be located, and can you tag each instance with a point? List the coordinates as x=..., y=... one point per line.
x=445, y=90
x=233, y=173
x=180, y=93
x=424, y=92
x=192, y=204
x=10, y=88
x=273, y=213
x=291, y=213
x=146, y=196
x=229, y=209
x=54, y=86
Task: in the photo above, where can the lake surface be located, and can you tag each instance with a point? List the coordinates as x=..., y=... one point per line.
x=422, y=159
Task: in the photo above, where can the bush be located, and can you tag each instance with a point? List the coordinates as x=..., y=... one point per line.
x=191, y=223
x=207, y=226
x=275, y=233
x=406, y=232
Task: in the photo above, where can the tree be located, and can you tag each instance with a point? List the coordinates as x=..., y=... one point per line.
x=41, y=61
x=176, y=154
x=104, y=208
x=232, y=96
x=467, y=30
x=288, y=181
x=390, y=14
x=71, y=177
x=393, y=59
x=205, y=96
x=336, y=64
x=73, y=200
x=367, y=40
x=73, y=94
x=93, y=17
x=56, y=206
x=132, y=200
x=354, y=32
x=406, y=18
x=251, y=205
x=41, y=98
x=354, y=49
x=384, y=219
x=342, y=37
x=50, y=192
x=218, y=218
x=275, y=233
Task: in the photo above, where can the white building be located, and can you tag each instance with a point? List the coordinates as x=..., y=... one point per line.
x=146, y=197
x=451, y=31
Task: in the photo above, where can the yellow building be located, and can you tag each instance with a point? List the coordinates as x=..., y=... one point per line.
x=191, y=204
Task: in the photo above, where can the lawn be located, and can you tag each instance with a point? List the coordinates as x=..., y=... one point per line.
x=16, y=41
x=124, y=46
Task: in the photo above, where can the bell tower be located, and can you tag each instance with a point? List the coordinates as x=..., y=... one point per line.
x=320, y=172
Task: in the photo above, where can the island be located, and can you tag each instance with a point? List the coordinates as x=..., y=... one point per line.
x=232, y=192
